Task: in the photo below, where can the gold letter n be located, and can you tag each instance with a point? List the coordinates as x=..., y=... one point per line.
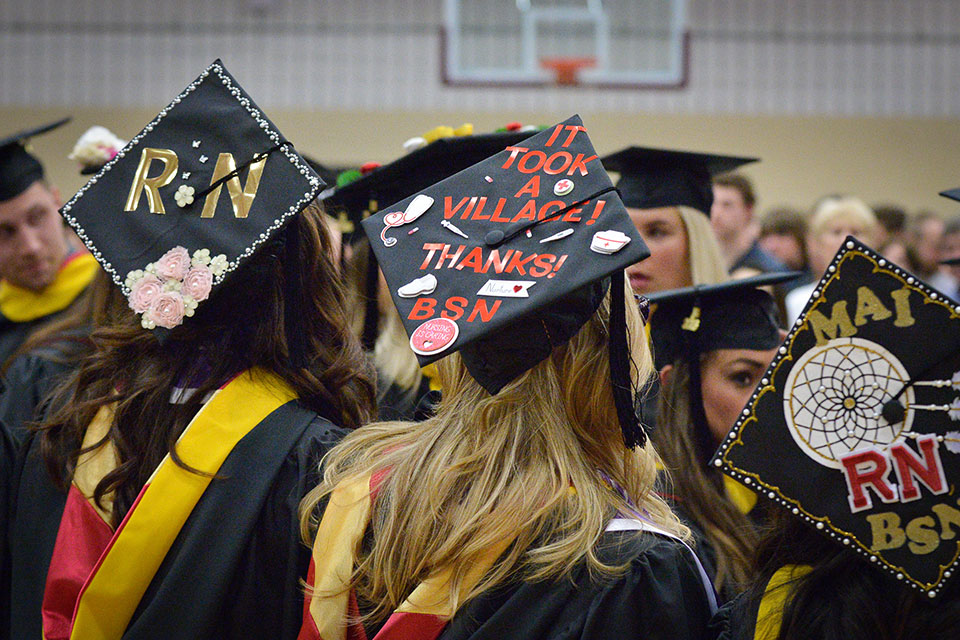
x=240, y=197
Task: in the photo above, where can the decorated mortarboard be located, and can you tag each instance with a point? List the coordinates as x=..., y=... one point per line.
x=362, y=192
x=731, y=315
x=651, y=178
x=854, y=427
x=190, y=198
x=507, y=260
x=18, y=167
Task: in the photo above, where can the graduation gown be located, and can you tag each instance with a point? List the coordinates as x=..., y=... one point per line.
x=23, y=311
x=233, y=569
x=663, y=593
x=661, y=596
x=32, y=377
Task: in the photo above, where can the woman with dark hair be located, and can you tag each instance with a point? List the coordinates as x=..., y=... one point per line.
x=159, y=497
x=712, y=345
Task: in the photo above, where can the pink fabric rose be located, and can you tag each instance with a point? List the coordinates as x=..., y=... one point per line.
x=197, y=283
x=173, y=264
x=167, y=310
x=144, y=292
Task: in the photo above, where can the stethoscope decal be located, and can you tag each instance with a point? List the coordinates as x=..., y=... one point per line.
x=417, y=207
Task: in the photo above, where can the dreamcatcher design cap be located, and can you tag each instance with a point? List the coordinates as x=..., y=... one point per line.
x=190, y=198
x=855, y=427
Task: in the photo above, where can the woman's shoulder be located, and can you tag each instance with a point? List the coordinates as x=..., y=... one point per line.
x=649, y=551
x=656, y=594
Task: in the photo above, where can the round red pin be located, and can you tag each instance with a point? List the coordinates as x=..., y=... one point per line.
x=434, y=336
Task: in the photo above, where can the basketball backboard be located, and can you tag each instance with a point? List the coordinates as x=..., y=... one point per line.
x=609, y=43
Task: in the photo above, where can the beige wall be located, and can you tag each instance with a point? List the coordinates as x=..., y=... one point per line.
x=905, y=161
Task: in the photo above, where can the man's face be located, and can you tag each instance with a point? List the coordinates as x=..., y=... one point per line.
x=32, y=240
x=729, y=215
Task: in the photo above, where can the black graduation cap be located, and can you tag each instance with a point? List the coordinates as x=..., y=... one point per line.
x=404, y=177
x=18, y=167
x=508, y=259
x=417, y=170
x=853, y=428
x=652, y=178
x=686, y=323
x=190, y=198
x=731, y=315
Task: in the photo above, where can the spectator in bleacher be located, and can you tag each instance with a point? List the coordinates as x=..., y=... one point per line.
x=834, y=218
x=783, y=234
x=732, y=219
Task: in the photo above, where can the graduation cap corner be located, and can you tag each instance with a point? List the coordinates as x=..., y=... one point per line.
x=854, y=427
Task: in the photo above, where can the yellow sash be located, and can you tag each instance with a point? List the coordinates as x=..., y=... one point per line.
x=742, y=497
x=774, y=599
x=431, y=373
x=339, y=536
x=128, y=565
x=23, y=305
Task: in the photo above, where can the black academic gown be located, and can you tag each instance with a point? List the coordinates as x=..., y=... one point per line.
x=32, y=376
x=13, y=334
x=396, y=403
x=235, y=567
x=661, y=596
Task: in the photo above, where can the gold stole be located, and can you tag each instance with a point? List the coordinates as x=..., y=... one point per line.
x=23, y=305
x=124, y=572
x=340, y=535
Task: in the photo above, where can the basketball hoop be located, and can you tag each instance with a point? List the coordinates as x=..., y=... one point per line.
x=567, y=69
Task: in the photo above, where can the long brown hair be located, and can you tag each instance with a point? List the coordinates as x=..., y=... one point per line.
x=524, y=465
x=698, y=488
x=238, y=328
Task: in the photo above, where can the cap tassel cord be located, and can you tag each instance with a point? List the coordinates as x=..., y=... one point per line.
x=236, y=172
x=703, y=439
x=553, y=217
x=630, y=427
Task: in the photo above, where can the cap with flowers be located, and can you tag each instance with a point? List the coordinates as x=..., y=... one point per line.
x=190, y=198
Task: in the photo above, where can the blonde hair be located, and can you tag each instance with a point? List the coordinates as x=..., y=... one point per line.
x=395, y=361
x=830, y=209
x=707, y=265
x=523, y=465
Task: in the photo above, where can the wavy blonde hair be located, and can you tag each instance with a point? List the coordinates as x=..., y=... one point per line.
x=707, y=264
x=486, y=469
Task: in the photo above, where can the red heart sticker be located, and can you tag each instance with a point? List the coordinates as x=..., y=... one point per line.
x=433, y=336
x=516, y=288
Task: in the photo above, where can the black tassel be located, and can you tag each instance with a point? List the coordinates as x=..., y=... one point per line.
x=371, y=314
x=623, y=395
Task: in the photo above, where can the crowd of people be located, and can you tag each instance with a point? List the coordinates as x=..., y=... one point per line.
x=481, y=391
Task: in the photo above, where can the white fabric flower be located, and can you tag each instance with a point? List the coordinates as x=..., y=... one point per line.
x=184, y=195
x=133, y=277
x=201, y=258
x=218, y=265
